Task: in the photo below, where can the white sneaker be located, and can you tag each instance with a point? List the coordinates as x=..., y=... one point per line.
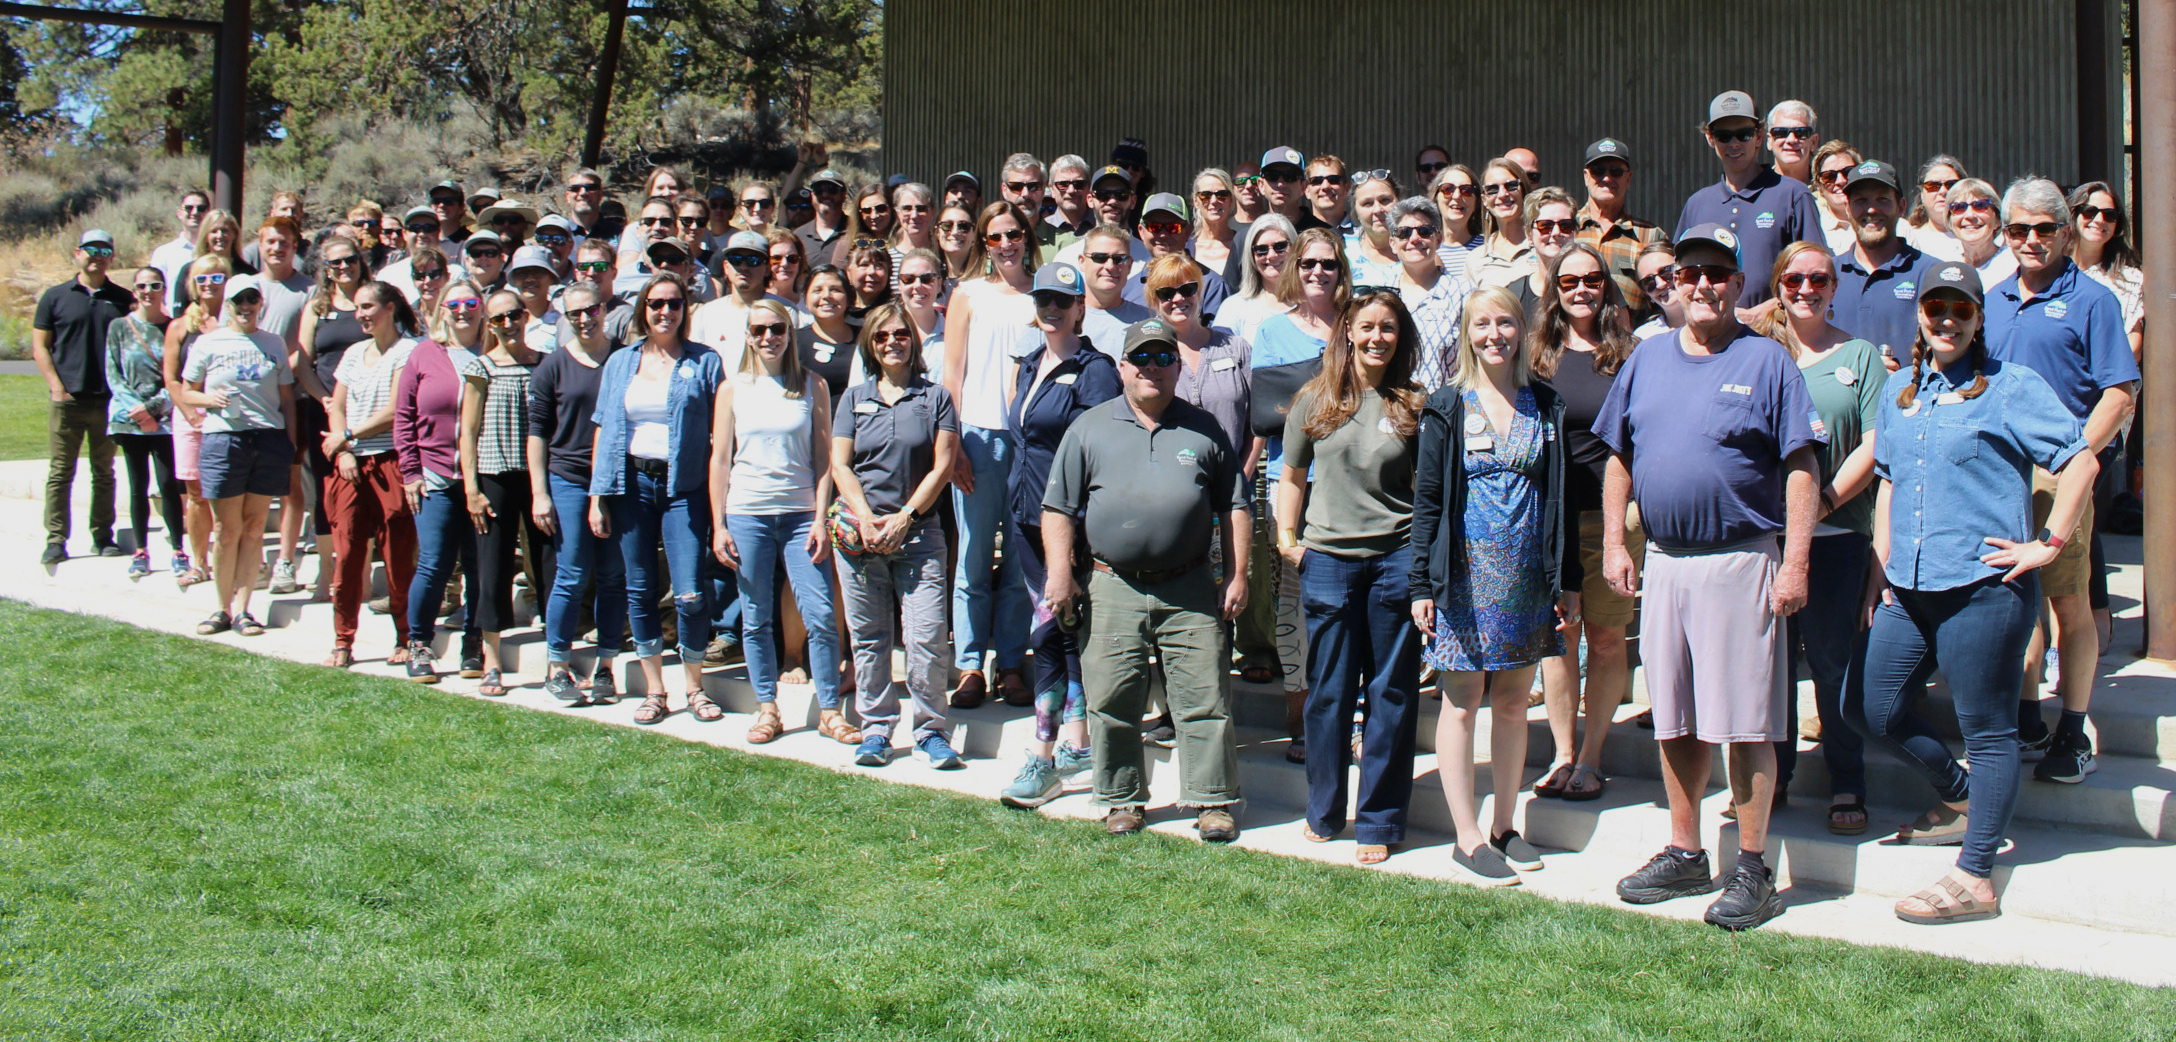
x=283, y=577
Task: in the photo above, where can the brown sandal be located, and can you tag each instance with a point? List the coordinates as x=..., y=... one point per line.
x=767, y=727
x=652, y=710
x=341, y=658
x=704, y=707
x=1947, y=901
x=1307, y=832
x=1551, y=786
x=831, y=723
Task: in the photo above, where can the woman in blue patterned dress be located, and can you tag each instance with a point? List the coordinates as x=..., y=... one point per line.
x=1495, y=568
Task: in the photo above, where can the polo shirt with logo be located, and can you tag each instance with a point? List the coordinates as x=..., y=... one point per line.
x=1772, y=212
x=1145, y=499
x=2072, y=335
x=1881, y=306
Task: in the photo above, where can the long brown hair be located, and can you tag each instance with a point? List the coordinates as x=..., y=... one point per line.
x=1975, y=355
x=1545, y=341
x=1337, y=388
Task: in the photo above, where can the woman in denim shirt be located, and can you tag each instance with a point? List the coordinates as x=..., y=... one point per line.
x=1958, y=437
x=650, y=479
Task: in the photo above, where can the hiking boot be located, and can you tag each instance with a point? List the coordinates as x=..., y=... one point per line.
x=1667, y=875
x=1124, y=821
x=939, y=751
x=2069, y=759
x=1216, y=825
x=283, y=577
x=1036, y=785
x=1749, y=900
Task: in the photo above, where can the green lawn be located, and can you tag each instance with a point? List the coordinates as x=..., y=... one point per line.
x=196, y=843
x=23, y=402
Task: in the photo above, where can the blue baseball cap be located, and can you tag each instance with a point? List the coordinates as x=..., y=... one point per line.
x=1717, y=235
x=1059, y=278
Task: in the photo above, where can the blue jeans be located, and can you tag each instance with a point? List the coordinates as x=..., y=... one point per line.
x=1976, y=636
x=445, y=540
x=986, y=610
x=647, y=514
x=583, y=559
x=1360, y=632
x=1822, y=637
x=764, y=541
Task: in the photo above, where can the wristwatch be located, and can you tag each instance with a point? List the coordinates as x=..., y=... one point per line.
x=2054, y=541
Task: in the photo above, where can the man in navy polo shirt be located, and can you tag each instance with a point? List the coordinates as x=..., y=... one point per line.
x=1762, y=209
x=1712, y=431
x=1877, y=279
x=68, y=343
x=2052, y=319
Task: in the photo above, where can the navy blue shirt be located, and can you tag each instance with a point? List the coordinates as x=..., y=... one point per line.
x=1041, y=412
x=1706, y=437
x=1881, y=306
x=1773, y=212
x=2072, y=335
x=1960, y=469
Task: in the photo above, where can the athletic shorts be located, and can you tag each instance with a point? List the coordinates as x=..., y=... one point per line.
x=1713, y=651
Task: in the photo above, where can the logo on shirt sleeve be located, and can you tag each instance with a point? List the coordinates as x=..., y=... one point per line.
x=1813, y=420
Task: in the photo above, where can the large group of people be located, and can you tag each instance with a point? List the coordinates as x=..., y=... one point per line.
x=1094, y=449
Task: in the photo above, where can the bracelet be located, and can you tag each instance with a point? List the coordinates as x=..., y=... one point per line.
x=1287, y=539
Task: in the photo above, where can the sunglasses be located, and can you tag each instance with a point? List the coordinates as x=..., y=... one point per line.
x=1272, y=249
x=1981, y=205
x=150, y=287
x=877, y=210
x=955, y=227
x=1408, y=231
x=653, y=222
x=745, y=260
x=420, y=228
x=1070, y=185
x=212, y=279
x=785, y=261
x=1364, y=176
x=691, y=221
x=1658, y=284
x=1937, y=310
x=1319, y=180
x=928, y=278
x=766, y=329
x=906, y=208
x=464, y=305
x=1221, y=195
x=1281, y=177
x=2046, y=230
x=890, y=336
x=509, y=219
x=509, y=318
x=1049, y=301
x=427, y=274
x=1836, y=176
x=341, y=262
x=1163, y=227
x=193, y=208
x=1246, y=180
x=1692, y=274
x=758, y=204
x=1730, y=136
x=97, y=251
x=445, y=200
x=248, y=298
x=1801, y=133
x=1591, y=280
x=551, y=239
x=1022, y=187
x=1008, y=235
x=1430, y=169
x=1170, y=293
x=1152, y=359
x=1504, y=188
x=486, y=253
x=1469, y=191
x=1318, y=264
x=1105, y=258
x=1817, y=280
x=1608, y=171
x=591, y=311
x=1112, y=195
x=2085, y=213
x=1938, y=186
x=593, y=267
x=664, y=303
x=1565, y=225
x=584, y=186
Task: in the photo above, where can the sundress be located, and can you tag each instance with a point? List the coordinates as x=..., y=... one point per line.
x=1512, y=623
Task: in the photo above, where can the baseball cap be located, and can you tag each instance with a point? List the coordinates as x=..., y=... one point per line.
x=667, y=251
x=1147, y=332
x=1285, y=154
x=484, y=237
x=748, y=241
x=1058, y=278
x=239, y=284
x=418, y=211
x=827, y=176
x=1165, y=202
x=552, y=220
x=451, y=186
x=1949, y=275
x=1130, y=150
x=1876, y=171
x=1732, y=103
x=1715, y=234
x=895, y=180
x=718, y=192
x=962, y=175
x=485, y=196
x=532, y=257
x=94, y=237
x=1608, y=148
x=1112, y=170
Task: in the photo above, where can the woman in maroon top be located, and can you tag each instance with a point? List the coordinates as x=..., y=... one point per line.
x=444, y=378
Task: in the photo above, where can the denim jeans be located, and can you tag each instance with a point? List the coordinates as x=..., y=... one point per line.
x=909, y=580
x=1822, y=638
x=764, y=541
x=647, y=514
x=987, y=611
x=584, y=560
x=445, y=540
x=1976, y=636
x=1360, y=643
x=1178, y=620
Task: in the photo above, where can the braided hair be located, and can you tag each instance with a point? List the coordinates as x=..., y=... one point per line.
x=1975, y=355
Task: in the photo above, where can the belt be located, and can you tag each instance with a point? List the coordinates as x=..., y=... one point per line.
x=1150, y=578
x=655, y=468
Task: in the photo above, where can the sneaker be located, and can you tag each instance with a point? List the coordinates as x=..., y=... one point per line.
x=724, y=649
x=54, y=554
x=560, y=685
x=2069, y=759
x=603, y=690
x=1072, y=761
x=1485, y=866
x=1161, y=734
x=381, y=605
x=419, y=663
x=1216, y=825
x=472, y=662
x=2034, y=750
x=181, y=563
x=1517, y=851
x=1748, y=900
x=109, y=548
x=1124, y=821
x=874, y=750
x=940, y=753
x=139, y=565
x=283, y=577
x=1036, y=785
x=1667, y=875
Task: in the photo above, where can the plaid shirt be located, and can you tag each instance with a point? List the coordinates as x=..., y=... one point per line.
x=501, y=444
x=1435, y=316
x=1620, y=245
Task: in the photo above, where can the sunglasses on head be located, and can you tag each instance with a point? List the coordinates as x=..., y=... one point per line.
x=1715, y=274
x=1801, y=133
x=1816, y=280
x=1008, y=235
x=745, y=260
x=1407, y=231
x=1170, y=293
x=1157, y=359
x=1731, y=136
x=1272, y=249
x=463, y=305
x=1547, y=226
x=664, y=303
x=2046, y=230
x=1938, y=309
x=766, y=329
x=1592, y=280
x=1362, y=177
x=866, y=244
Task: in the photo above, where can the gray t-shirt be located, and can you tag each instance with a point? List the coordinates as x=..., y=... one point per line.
x=251, y=368
x=1145, y=498
x=895, y=445
x=281, y=315
x=1106, y=330
x=1362, y=504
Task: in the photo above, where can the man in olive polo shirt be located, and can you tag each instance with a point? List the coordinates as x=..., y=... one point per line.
x=1147, y=478
x=68, y=343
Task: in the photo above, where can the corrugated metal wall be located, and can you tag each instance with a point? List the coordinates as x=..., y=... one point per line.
x=1214, y=82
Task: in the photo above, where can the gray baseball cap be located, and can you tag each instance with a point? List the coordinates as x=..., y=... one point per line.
x=1716, y=235
x=532, y=257
x=748, y=241
x=1285, y=154
x=94, y=237
x=1732, y=103
x=1149, y=332
x=1165, y=202
x=1059, y=278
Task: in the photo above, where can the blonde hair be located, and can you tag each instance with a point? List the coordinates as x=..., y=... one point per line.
x=441, y=320
x=1470, y=370
x=791, y=376
x=206, y=264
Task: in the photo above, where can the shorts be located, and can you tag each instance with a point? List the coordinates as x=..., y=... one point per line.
x=2072, y=569
x=1599, y=603
x=255, y=463
x=1714, y=653
x=188, y=444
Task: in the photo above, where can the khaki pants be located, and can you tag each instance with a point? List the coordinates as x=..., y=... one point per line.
x=1177, y=620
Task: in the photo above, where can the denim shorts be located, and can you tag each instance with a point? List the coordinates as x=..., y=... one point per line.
x=257, y=463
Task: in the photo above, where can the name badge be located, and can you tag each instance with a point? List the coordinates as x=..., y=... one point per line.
x=1222, y=364
x=1846, y=377
x=1384, y=425
x=865, y=408
x=1066, y=380
x=1482, y=443
x=1475, y=423
x=687, y=371
x=1952, y=398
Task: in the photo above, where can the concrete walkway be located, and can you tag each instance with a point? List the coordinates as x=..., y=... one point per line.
x=2088, y=887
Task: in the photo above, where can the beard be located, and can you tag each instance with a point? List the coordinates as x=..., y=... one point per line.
x=1874, y=236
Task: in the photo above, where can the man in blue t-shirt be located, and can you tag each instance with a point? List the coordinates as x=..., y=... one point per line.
x=1712, y=431
x=1762, y=209
x=2052, y=319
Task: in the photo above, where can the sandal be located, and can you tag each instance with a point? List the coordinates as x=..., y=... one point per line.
x=191, y=577
x=831, y=723
x=1372, y=853
x=704, y=707
x=1574, y=792
x=1841, y=810
x=1551, y=786
x=767, y=728
x=1947, y=901
x=1012, y=688
x=216, y=622
x=493, y=686
x=1944, y=826
x=1257, y=672
x=652, y=710
x=341, y=658
x=1307, y=832
x=970, y=691
x=398, y=656
x=247, y=625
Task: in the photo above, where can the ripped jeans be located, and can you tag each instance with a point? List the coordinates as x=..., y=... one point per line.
x=643, y=517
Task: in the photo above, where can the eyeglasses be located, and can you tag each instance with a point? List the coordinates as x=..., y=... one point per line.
x=1163, y=227
x=1022, y=187
x=1318, y=264
x=1272, y=249
x=890, y=336
x=591, y=311
x=1817, y=280
x=486, y=253
x=1715, y=274
x=1008, y=235
x=427, y=274
x=1362, y=177
x=463, y=305
x=878, y=210
x=1170, y=293
x=1105, y=258
x=1658, y=284
x=1836, y=176
x=421, y=228
x=688, y=220
x=664, y=303
x=551, y=239
x=1244, y=180
x=928, y=278
x=955, y=227
x=1112, y=195
x=341, y=262
x=2085, y=213
x=1318, y=180
x=211, y=279
x=1222, y=195
x=2046, y=230
x=584, y=186
x=1467, y=190
x=1503, y=188
x=1801, y=133
x=593, y=267
x=1592, y=280
x=1407, y=231
x=1938, y=186
x=1280, y=177
x=758, y=204
x=1158, y=359
x=766, y=329
x=1937, y=310
x=1724, y=137
x=1430, y=169
x=1981, y=205
x=98, y=251
x=1565, y=226
x=745, y=260
x=508, y=318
